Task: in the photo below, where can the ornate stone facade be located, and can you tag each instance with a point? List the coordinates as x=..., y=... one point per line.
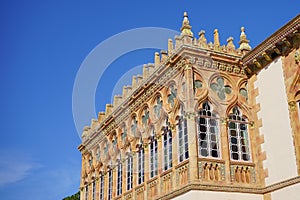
x=190, y=122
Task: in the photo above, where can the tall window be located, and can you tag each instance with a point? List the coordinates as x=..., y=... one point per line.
x=167, y=149
x=119, y=179
x=101, y=191
x=238, y=136
x=110, y=185
x=94, y=189
x=141, y=167
x=86, y=192
x=153, y=157
x=208, y=133
x=129, y=172
x=183, y=146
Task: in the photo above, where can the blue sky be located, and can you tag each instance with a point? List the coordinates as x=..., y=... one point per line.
x=42, y=46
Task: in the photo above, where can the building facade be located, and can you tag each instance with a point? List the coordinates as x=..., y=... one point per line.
x=204, y=121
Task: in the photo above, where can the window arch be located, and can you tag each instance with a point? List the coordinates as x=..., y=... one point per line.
x=183, y=146
x=238, y=136
x=208, y=132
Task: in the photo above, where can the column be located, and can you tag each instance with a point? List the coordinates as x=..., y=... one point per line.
x=191, y=125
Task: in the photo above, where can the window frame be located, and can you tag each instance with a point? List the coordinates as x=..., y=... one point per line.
x=141, y=166
x=167, y=149
x=153, y=158
x=129, y=176
x=101, y=185
x=86, y=192
x=238, y=123
x=119, y=178
x=110, y=185
x=94, y=190
x=208, y=134
x=183, y=147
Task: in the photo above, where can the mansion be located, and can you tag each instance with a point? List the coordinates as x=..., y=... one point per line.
x=204, y=121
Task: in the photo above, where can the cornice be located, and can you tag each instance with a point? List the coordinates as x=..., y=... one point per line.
x=279, y=43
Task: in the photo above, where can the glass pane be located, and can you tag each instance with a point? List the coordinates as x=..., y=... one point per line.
x=235, y=156
x=232, y=125
x=243, y=127
x=246, y=157
x=234, y=148
x=203, y=144
x=212, y=122
x=214, y=153
x=203, y=128
x=212, y=129
x=203, y=136
x=213, y=145
x=233, y=140
x=204, y=152
x=233, y=133
x=213, y=138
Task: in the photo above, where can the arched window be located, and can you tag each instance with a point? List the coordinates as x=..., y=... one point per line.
x=94, y=190
x=183, y=146
x=86, y=192
x=153, y=156
x=208, y=132
x=167, y=141
x=101, y=195
x=119, y=179
x=129, y=172
x=140, y=164
x=110, y=185
x=238, y=136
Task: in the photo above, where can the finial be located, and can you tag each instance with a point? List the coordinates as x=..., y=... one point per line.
x=216, y=39
x=186, y=28
x=202, y=39
x=230, y=46
x=244, y=43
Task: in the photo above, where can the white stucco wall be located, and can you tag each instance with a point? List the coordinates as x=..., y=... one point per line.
x=281, y=160
x=288, y=193
x=209, y=195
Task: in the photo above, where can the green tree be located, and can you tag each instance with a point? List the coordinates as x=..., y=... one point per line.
x=73, y=197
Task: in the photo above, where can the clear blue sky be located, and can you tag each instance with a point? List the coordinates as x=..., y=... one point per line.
x=42, y=46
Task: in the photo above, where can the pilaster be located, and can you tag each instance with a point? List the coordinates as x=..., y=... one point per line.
x=191, y=125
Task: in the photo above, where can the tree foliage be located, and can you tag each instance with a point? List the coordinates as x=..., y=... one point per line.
x=73, y=197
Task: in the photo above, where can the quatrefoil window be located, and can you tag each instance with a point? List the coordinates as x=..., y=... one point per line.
x=220, y=88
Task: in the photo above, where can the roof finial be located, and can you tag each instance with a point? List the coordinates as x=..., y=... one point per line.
x=186, y=28
x=244, y=43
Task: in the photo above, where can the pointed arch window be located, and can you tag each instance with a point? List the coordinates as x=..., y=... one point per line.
x=238, y=136
x=141, y=165
x=110, y=185
x=94, y=190
x=101, y=191
x=208, y=132
x=119, y=178
x=86, y=192
x=183, y=146
x=153, y=156
x=167, y=150
x=129, y=172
